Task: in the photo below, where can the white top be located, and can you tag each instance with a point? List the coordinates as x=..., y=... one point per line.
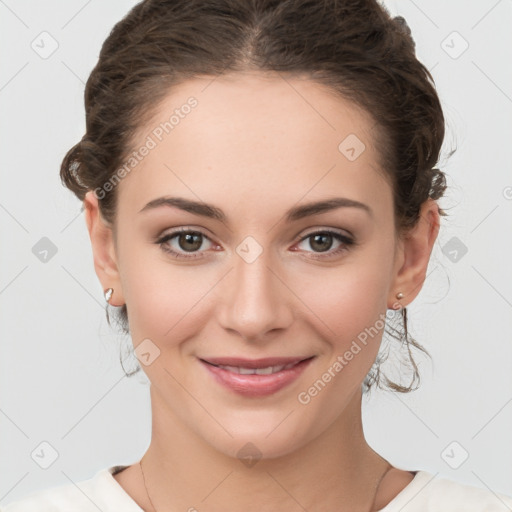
x=425, y=493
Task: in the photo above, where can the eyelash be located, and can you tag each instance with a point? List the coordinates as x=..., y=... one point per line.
x=347, y=242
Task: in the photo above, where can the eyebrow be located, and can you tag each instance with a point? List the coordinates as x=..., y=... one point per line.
x=293, y=214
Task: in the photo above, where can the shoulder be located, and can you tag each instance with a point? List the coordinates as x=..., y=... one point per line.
x=53, y=499
x=100, y=492
x=429, y=492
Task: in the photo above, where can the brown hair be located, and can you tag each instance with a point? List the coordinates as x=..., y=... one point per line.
x=353, y=46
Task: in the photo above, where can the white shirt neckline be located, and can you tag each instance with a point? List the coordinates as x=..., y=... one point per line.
x=117, y=496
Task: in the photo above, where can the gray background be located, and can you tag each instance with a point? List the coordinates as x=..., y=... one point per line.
x=60, y=378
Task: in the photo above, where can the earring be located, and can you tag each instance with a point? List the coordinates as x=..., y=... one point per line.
x=397, y=305
x=108, y=293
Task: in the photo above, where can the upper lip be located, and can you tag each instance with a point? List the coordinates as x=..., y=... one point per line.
x=254, y=363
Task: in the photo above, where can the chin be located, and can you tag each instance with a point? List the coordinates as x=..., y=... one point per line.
x=252, y=448
x=258, y=435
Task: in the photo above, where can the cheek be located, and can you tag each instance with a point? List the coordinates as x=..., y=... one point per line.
x=349, y=310
x=350, y=313
x=356, y=323
x=350, y=299
x=164, y=299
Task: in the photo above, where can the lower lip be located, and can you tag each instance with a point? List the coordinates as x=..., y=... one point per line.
x=256, y=385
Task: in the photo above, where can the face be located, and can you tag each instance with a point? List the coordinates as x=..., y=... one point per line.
x=236, y=271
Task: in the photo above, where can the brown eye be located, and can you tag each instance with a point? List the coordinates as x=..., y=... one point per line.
x=322, y=241
x=190, y=241
x=185, y=241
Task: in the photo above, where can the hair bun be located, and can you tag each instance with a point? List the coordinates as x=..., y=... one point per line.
x=402, y=23
x=404, y=28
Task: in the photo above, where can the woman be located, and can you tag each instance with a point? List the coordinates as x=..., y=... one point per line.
x=259, y=327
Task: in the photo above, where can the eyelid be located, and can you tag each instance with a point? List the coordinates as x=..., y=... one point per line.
x=184, y=229
x=341, y=232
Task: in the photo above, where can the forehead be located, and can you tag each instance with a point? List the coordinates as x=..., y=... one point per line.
x=264, y=134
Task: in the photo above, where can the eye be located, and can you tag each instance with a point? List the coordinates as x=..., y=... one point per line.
x=187, y=240
x=322, y=241
x=190, y=241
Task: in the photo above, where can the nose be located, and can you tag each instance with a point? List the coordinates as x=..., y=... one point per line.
x=255, y=299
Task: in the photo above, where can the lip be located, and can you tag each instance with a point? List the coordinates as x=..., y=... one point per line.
x=253, y=363
x=254, y=385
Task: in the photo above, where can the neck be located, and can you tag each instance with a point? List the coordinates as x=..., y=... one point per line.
x=338, y=470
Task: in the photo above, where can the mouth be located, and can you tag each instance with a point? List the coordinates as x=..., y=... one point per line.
x=256, y=377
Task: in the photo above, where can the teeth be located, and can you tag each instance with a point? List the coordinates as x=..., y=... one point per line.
x=233, y=369
x=246, y=371
x=257, y=371
x=267, y=371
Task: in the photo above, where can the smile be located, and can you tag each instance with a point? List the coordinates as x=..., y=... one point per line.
x=257, y=371
x=255, y=378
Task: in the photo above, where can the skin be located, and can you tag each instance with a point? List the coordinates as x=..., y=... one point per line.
x=258, y=140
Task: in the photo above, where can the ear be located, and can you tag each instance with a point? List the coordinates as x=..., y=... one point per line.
x=413, y=255
x=103, y=248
